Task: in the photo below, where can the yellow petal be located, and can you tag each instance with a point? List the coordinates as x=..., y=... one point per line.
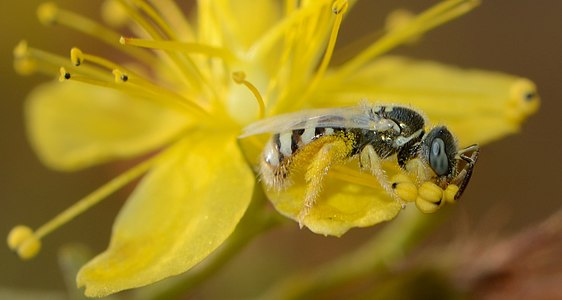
x=181, y=211
x=74, y=125
x=349, y=198
x=479, y=106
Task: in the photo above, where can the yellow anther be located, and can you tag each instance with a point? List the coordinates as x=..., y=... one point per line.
x=399, y=19
x=525, y=99
x=47, y=13
x=23, y=63
x=429, y=197
x=240, y=78
x=450, y=192
x=120, y=76
x=114, y=14
x=76, y=56
x=404, y=188
x=340, y=6
x=64, y=75
x=23, y=240
x=21, y=50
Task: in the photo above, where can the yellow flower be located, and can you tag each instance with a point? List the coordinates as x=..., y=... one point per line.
x=188, y=87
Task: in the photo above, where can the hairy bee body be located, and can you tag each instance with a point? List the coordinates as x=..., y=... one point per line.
x=373, y=133
x=391, y=126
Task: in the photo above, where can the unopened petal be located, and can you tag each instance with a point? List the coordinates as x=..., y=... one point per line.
x=479, y=106
x=74, y=125
x=180, y=212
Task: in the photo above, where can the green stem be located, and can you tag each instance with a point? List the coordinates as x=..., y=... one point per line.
x=389, y=246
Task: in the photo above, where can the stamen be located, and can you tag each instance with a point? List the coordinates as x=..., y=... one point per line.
x=184, y=64
x=113, y=14
x=154, y=16
x=27, y=242
x=49, y=14
x=180, y=47
x=240, y=78
x=174, y=15
x=437, y=15
x=399, y=19
x=338, y=8
x=28, y=60
x=64, y=75
x=263, y=45
x=138, y=88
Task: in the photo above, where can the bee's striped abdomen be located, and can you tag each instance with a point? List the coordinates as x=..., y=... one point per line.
x=279, y=149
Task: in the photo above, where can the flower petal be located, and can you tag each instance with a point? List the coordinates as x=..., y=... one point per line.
x=181, y=211
x=348, y=199
x=74, y=125
x=479, y=106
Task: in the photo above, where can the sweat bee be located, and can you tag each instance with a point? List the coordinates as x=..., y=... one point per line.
x=374, y=134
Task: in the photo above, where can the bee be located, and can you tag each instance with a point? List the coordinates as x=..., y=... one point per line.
x=374, y=134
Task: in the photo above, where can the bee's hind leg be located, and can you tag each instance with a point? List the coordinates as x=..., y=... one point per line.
x=333, y=152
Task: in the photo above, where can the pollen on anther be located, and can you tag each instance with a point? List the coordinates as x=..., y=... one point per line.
x=22, y=240
x=76, y=56
x=120, y=76
x=339, y=6
x=64, y=75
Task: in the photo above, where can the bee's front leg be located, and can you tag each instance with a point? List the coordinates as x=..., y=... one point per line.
x=369, y=160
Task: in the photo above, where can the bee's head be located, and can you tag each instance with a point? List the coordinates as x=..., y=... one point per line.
x=439, y=149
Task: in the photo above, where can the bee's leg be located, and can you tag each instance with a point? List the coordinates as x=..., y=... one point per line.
x=464, y=176
x=333, y=152
x=370, y=161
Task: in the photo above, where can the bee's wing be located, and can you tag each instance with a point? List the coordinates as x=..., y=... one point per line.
x=343, y=117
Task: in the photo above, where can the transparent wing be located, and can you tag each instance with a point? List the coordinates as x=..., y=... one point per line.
x=346, y=117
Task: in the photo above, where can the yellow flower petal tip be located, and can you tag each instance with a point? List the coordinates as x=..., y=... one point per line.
x=23, y=240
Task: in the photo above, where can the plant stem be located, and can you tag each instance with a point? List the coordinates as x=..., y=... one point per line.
x=387, y=247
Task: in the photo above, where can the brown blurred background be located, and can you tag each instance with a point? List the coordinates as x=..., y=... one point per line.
x=518, y=180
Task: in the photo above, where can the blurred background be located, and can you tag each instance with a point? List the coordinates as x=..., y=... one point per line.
x=517, y=183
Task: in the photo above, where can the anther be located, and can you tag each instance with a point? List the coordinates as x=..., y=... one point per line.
x=64, y=75
x=76, y=56
x=120, y=76
x=114, y=14
x=23, y=240
x=339, y=6
x=47, y=13
x=21, y=50
x=240, y=78
x=24, y=64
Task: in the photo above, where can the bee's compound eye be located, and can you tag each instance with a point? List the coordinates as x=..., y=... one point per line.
x=438, y=159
